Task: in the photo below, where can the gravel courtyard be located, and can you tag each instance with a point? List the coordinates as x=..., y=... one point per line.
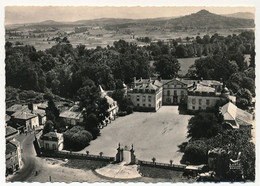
x=153, y=134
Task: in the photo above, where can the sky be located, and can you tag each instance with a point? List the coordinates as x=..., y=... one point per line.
x=31, y=14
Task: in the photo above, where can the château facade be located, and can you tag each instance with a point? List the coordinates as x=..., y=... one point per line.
x=150, y=95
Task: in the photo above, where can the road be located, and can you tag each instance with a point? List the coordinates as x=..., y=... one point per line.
x=30, y=162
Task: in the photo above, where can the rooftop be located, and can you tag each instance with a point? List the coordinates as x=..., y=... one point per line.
x=202, y=88
x=241, y=117
x=10, y=130
x=53, y=136
x=16, y=107
x=70, y=114
x=23, y=115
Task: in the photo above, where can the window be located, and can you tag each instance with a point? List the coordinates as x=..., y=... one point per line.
x=138, y=104
x=193, y=108
x=175, y=92
x=137, y=98
x=199, y=108
x=144, y=105
x=149, y=98
x=47, y=145
x=144, y=98
x=207, y=101
x=193, y=101
x=54, y=147
x=149, y=105
x=168, y=93
x=199, y=101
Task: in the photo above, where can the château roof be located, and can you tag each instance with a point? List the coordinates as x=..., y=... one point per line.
x=231, y=112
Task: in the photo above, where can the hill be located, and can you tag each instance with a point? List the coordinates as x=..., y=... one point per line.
x=242, y=15
x=204, y=19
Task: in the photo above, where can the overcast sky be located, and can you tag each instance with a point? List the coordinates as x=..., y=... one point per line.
x=38, y=14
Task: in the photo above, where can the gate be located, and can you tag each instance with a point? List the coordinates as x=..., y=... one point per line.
x=126, y=155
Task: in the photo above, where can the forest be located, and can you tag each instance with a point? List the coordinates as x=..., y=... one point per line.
x=64, y=70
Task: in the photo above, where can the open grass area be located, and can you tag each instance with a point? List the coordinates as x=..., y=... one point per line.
x=185, y=64
x=153, y=134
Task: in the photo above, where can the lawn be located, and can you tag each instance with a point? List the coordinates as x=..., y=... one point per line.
x=185, y=64
x=152, y=134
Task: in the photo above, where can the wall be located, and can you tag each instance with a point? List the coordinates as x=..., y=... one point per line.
x=34, y=122
x=203, y=105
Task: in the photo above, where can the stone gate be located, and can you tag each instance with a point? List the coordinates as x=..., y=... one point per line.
x=123, y=152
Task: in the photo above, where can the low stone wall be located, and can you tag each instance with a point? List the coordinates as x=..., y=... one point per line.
x=165, y=170
x=60, y=154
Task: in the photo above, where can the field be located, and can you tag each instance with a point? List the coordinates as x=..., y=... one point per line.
x=185, y=64
x=152, y=134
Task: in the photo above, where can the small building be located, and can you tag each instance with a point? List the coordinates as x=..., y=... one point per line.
x=10, y=132
x=52, y=141
x=237, y=118
x=13, y=157
x=16, y=108
x=72, y=116
x=28, y=120
x=113, y=107
x=146, y=94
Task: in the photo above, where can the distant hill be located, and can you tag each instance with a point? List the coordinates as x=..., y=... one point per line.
x=242, y=15
x=204, y=18
x=201, y=19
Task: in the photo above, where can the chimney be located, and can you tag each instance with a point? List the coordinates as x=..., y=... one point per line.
x=221, y=80
x=201, y=79
x=194, y=84
x=160, y=78
x=141, y=78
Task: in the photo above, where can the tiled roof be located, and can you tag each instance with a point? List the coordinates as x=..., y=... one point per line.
x=40, y=112
x=10, y=130
x=103, y=94
x=7, y=118
x=23, y=115
x=53, y=136
x=10, y=148
x=70, y=114
x=202, y=88
x=16, y=107
x=241, y=117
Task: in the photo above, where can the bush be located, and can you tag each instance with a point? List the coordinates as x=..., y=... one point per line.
x=195, y=152
x=76, y=138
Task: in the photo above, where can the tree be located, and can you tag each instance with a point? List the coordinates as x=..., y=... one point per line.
x=52, y=113
x=181, y=51
x=167, y=66
x=204, y=125
x=195, y=152
x=48, y=127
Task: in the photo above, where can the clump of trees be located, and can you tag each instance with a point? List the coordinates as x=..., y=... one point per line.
x=206, y=133
x=76, y=138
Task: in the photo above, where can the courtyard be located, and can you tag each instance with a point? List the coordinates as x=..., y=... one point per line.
x=153, y=134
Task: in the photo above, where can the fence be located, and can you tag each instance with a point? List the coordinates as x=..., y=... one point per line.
x=61, y=154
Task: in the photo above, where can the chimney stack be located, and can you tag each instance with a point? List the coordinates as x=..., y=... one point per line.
x=134, y=82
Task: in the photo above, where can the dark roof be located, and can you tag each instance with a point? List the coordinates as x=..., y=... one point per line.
x=10, y=130
x=10, y=147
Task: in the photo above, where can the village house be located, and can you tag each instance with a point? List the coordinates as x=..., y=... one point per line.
x=146, y=94
x=15, y=108
x=29, y=121
x=13, y=156
x=52, y=141
x=72, y=116
x=10, y=132
x=113, y=107
x=237, y=118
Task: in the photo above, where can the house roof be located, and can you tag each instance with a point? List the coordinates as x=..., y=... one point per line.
x=53, y=136
x=230, y=112
x=23, y=115
x=7, y=118
x=10, y=147
x=40, y=112
x=103, y=94
x=10, y=130
x=17, y=107
x=202, y=88
x=43, y=105
x=70, y=114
